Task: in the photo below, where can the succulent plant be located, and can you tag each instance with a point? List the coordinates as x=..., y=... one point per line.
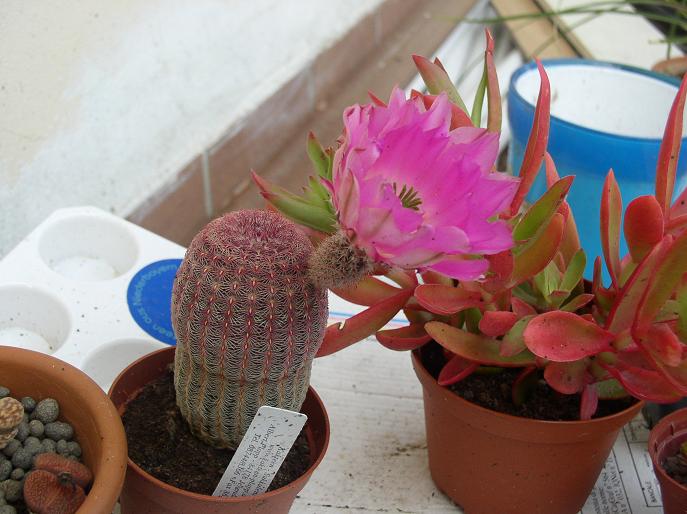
x=56, y=485
x=533, y=309
x=11, y=416
x=248, y=323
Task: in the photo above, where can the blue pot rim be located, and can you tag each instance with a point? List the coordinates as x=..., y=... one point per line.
x=512, y=90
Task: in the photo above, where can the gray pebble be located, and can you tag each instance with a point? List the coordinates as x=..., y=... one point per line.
x=49, y=446
x=33, y=445
x=22, y=431
x=5, y=470
x=73, y=457
x=62, y=447
x=11, y=447
x=22, y=458
x=7, y=509
x=74, y=448
x=58, y=430
x=25, y=418
x=2, y=497
x=12, y=489
x=4, y=392
x=46, y=411
x=37, y=428
x=17, y=474
x=28, y=403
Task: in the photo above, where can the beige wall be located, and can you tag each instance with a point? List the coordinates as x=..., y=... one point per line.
x=102, y=102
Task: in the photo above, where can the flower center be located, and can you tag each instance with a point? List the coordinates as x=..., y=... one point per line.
x=408, y=196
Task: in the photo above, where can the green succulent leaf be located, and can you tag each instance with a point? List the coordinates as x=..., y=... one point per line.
x=536, y=254
x=542, y=210
x=574, y=273
x=320, y=159
x=307, y=211
x=437, y=80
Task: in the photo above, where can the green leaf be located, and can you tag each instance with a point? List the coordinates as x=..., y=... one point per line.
x=574, y=274
x=665, y=279
x=578, y=302
x=539, y=251
x=476, y=115
x=547, y=281
x=681, y=298
x=437, y=80
x=301, y=210
x=541, y=211
x=610, y=389
x=513, y=342
x=318, y=157
x=472, y=318
x=611, y=212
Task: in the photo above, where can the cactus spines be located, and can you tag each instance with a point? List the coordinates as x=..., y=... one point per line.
x=248, y=323
x=338, y=263
x=11, y=415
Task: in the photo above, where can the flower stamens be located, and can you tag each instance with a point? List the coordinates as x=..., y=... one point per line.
x=409, y=197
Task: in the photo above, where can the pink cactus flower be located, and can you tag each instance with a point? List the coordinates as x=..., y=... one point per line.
x=412, y=193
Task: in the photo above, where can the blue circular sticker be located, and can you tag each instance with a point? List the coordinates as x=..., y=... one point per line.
x=150, y=298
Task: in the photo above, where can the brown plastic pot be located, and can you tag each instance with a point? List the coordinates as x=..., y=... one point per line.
x=85, y=406
x=145, y=494
x=665, y=440
x=488, y=462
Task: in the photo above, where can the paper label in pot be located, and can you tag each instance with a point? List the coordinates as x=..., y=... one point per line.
x=262, y=450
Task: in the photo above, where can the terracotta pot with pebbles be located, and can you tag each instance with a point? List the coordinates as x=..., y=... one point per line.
x=248, y=324
x=63, y=448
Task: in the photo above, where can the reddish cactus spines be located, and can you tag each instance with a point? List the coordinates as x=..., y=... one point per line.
x=57, y=485
x=248, y=323
x=59, y=465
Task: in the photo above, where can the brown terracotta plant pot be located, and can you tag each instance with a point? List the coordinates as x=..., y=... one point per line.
x=85, y=406
x=488, y=462
x=665, y=440
x=144, y=494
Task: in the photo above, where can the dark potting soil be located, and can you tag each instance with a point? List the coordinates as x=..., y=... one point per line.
x=161, y=443
x=493, y=391
x=676, y=467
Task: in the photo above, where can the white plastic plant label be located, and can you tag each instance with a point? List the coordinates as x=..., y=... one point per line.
x=268, y=440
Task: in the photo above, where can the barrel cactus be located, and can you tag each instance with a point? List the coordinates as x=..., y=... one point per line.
x=248, y=323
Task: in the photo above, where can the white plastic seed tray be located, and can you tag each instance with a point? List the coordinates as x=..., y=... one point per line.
x=67, y=290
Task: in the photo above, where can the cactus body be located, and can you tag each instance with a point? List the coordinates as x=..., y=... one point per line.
x=248, y=323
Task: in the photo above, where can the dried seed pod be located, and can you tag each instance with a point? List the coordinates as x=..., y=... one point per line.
x=59, y=465
x=11, y=416
x=47, y=493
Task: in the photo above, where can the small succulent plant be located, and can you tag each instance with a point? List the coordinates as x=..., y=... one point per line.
x=11, y=415
x=526, y=305
x=248, y=323
x=56, y=485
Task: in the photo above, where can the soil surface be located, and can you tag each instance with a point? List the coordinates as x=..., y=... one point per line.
x=676, y=467
x=493, y=391
x=161, y=443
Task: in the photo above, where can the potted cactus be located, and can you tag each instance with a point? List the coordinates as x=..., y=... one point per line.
x=668, y=451
x=38, y=467
x=248, y=322
x=528, y=370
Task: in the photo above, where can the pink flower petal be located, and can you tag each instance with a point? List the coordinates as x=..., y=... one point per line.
x=461, y=269
x=408, y=147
